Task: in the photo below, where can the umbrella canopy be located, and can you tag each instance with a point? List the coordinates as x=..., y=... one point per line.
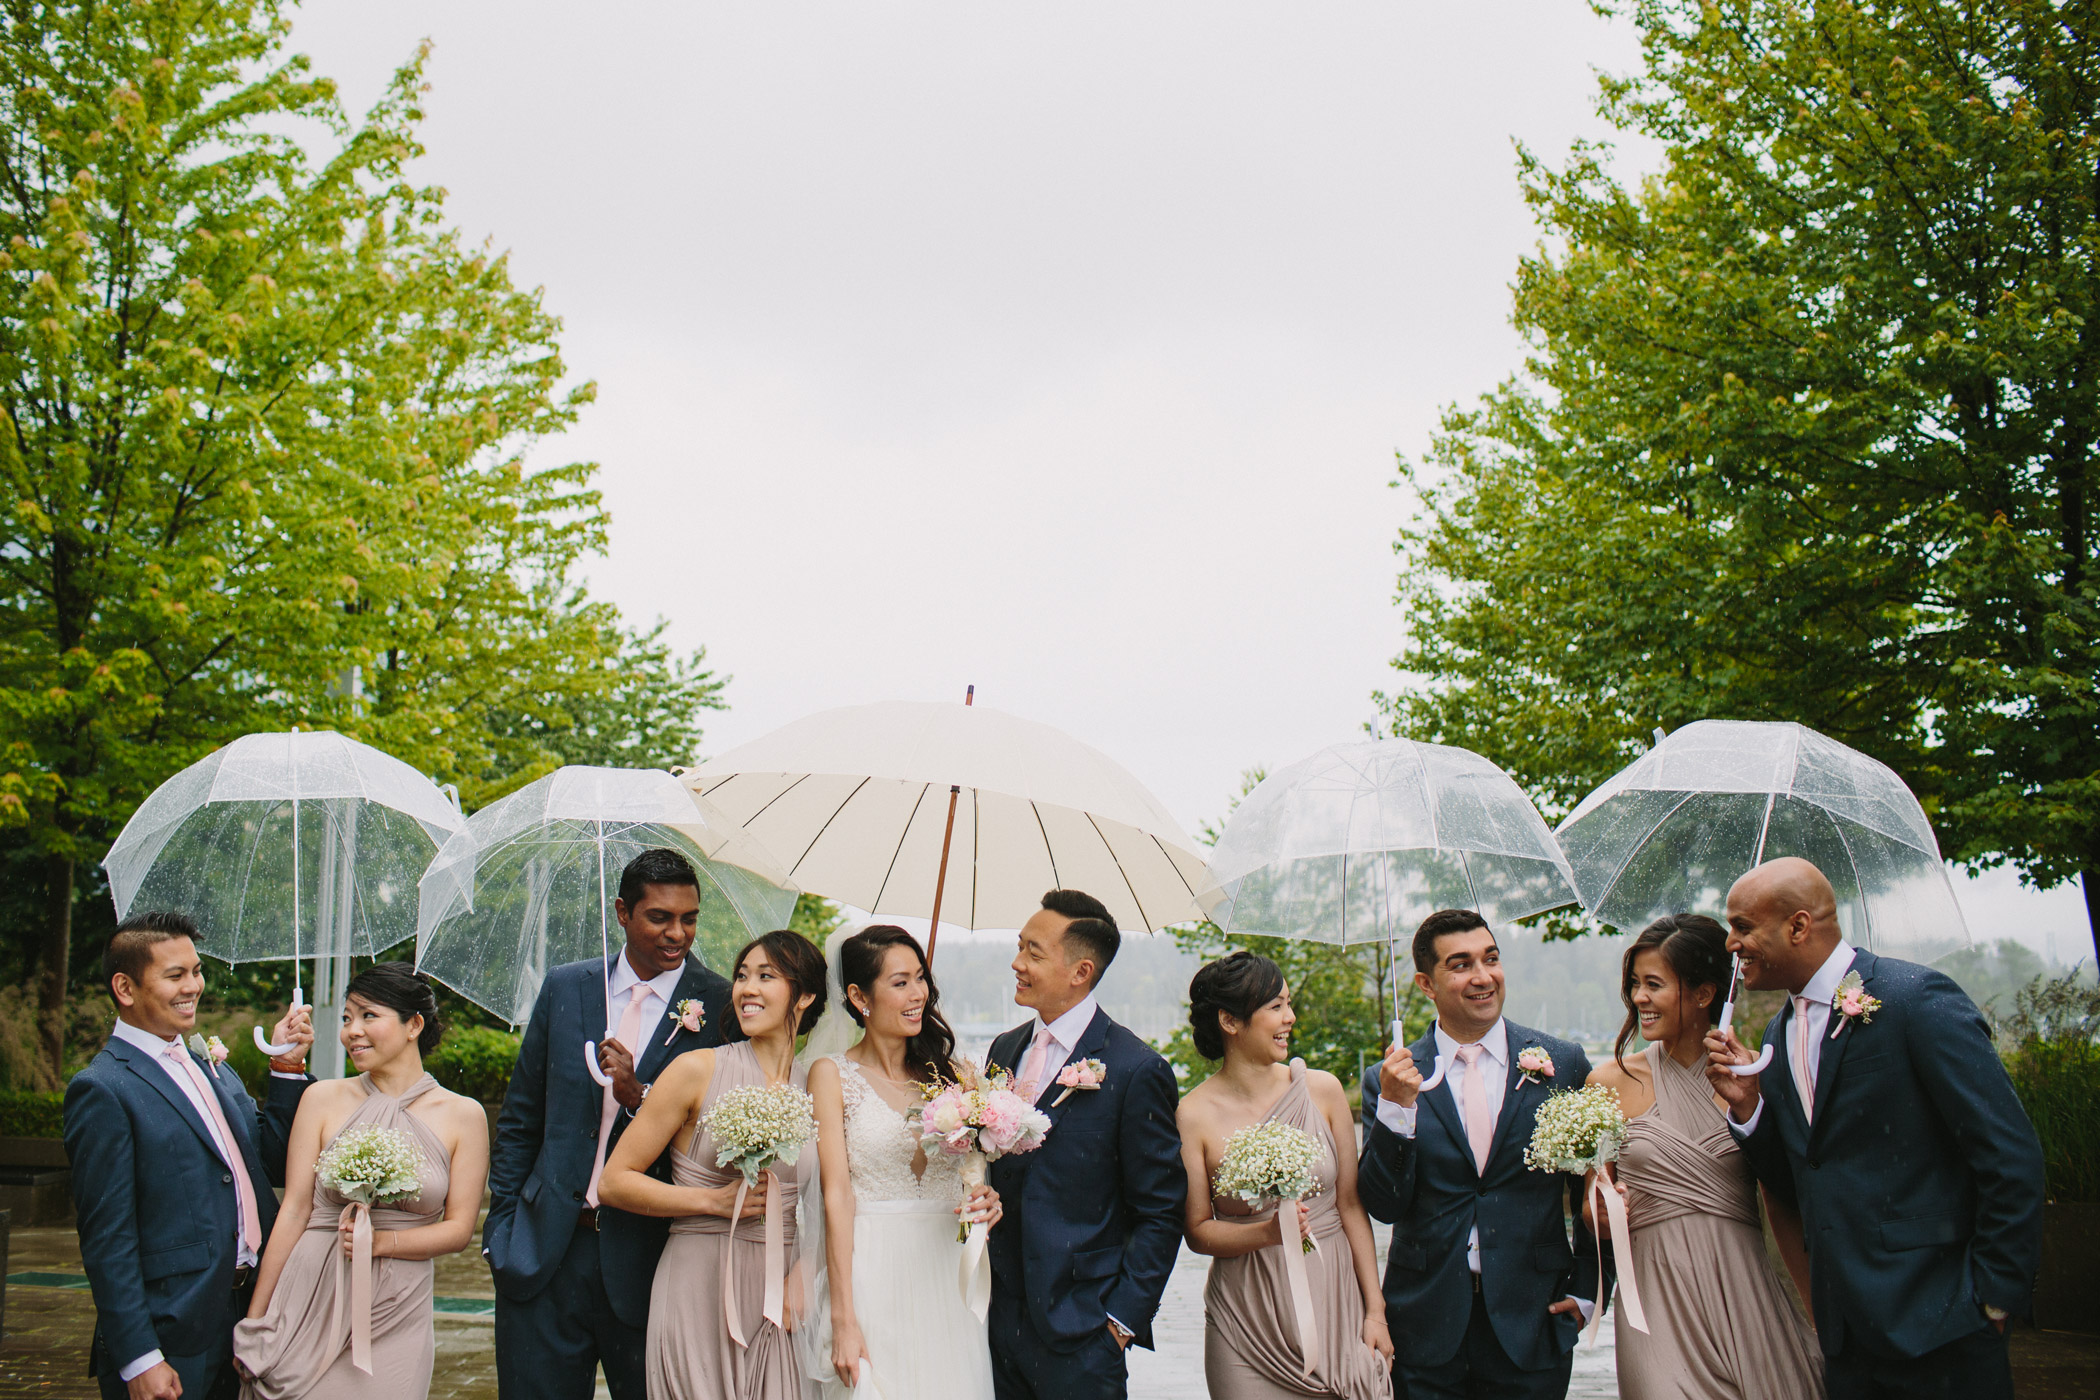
x=528, y=883
x=1675, y=828
x=283, y=845
x=856, y=802
x=1361, y=842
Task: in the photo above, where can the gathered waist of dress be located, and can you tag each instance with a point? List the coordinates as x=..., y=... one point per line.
x=1322, y=1224
x=328, y=1216
x=752, y=1231
x=1646, y=1205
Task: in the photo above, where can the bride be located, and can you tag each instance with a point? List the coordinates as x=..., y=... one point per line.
x=898, y=1325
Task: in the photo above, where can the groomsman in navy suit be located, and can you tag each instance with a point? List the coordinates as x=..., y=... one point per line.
x=572, y=1279
x=172, y=1168
x=1888, y=1120
x=1484, y=1293
x=1092, y=1217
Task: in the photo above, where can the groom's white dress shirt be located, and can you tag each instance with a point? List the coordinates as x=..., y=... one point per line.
x=1820, y=991
x=656, y=1002
x=1064, y=1038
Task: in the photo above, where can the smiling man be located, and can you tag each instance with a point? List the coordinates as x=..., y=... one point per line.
x=572, y=1279
x=1483, y=1291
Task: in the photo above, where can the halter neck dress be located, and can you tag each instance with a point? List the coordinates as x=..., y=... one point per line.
x=299, y=1349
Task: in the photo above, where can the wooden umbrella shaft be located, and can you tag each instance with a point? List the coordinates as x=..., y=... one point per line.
x=940, y=881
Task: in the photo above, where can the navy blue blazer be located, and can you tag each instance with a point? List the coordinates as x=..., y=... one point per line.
x=1920, y=1183
x=1429, y=1189
x=547, y=1136
x=1092, y=1218
x=155, y=1204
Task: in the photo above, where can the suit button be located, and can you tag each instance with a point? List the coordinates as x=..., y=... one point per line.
x=1483, y=1188
x=578, y=1195
x=1813, y=1164
x=227, y=1178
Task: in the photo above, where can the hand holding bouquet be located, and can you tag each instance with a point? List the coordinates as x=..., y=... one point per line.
x=980, y=1118
x=372, y=1166
x=758, y=1127
x=1268, y=1164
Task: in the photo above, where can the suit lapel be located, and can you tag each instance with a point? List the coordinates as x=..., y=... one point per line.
x=1831, y=1053
x=996, y=1058
x=164, y=1083
x=592, y=1008
x=1515, y=1041
x=1090, y=1042
x=659, y=1041
x=1440, y=1099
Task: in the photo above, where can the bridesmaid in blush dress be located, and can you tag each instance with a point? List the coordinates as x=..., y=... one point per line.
x=1240, y=1011
x=296, y=1343
x=1720, y=1323
x=712, y=1264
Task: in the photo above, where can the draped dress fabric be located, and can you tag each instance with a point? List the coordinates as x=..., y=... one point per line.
x=1721, y=1326
x=1250, y=1341
x=691, y=1354
x=923, y=1341
x=299, y=1349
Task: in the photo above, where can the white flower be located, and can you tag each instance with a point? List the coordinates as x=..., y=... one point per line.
x=1577, y=1130
x=372, y=1166
x=1267, y=1163
x=757, y=1127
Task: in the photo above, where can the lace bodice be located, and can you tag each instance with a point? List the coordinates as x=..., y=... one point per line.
x=880, y=1148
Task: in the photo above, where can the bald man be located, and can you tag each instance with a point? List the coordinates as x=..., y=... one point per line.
x=1887, y=1119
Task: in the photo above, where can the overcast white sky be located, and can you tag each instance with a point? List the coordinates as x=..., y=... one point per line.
x=1063, y=349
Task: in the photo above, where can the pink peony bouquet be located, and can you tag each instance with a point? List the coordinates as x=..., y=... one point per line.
x=980, y=1119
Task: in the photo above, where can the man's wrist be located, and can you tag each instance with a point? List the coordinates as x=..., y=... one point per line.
x=1995, y=1313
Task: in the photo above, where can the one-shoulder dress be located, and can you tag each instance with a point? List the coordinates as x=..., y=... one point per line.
x=1250, y=1340
x=299, y=1349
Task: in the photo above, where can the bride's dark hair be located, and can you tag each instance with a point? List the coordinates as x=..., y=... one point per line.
x=929, y=1055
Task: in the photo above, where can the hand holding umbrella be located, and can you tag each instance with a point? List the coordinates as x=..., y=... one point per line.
x=1726, y=1030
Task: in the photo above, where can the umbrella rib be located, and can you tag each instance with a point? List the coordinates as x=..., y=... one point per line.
x=976, y=832
x=820, y=830
x=903, y=835
x=1605, y=892
x=1171, y=865
x=1142, y=915
x=1865, y=917
x=1048, y=854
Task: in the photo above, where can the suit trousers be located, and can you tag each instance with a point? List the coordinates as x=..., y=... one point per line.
x=1482, y=1370
x=550, y=1346
x=208, y=1376
x=1024, y=1367
x=1977, y=1367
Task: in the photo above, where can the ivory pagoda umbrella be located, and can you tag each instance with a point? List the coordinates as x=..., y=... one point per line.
x=284, y=845
x=1361, y=842
x=955, y=812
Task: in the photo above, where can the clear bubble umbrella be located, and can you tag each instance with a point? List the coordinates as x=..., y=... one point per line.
x=1676, y=827
x=284, y=846
x=528, y=883
x=1361, y=842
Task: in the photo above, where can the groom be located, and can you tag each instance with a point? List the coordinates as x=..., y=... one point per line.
x=1093, y=1216
x=1888, y=1117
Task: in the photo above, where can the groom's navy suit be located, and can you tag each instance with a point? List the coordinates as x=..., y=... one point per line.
x=158, y=1211
x=551, y=1323
x=1430, y=1190
x=1919, y=1182
x=1092, y=1221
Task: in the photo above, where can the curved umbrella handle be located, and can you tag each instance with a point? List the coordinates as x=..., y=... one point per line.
x=1764, y=1052
x=590, y=1062
x=263, y=1044
x=1438, y=1067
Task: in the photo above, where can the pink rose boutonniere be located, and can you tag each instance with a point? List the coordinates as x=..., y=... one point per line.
x=212, y=1049
x=1534, y=1064
x=688, y=1015
x=1851, y=1003
x=1080, y=1074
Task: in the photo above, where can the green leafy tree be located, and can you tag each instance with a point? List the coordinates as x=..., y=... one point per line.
x=265, y=418
x=1808, y=428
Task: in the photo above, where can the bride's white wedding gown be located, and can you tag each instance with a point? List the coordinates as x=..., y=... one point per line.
x=923, y=1342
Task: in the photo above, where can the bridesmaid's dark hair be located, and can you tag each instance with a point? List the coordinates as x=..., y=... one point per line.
x=799, y=961
x=402, y=990
x=1239, y=985
x=929, y=1056
x=1695, y=947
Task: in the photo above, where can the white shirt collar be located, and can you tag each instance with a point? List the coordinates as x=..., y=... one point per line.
x=1823, y=986
x=1495, y=1043
x=661, y=986
x=1067, y=1029
x=143, y=1039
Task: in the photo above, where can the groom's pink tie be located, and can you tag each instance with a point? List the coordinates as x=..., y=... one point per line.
x=1032, y=1067
x=630, y=1033
x=243, y=1188
x=1480, y=1124
x=1804, y=1060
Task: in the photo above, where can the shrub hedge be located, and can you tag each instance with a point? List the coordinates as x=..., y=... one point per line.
x=28, y=1113
x=475, y=1061
x=2058, y=1083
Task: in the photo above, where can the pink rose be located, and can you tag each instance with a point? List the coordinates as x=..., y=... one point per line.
x=690, y=1016
x=1851, y=1005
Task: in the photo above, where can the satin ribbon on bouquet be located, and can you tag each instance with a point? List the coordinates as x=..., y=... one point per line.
x=1604, y=1192
x=975, y=1275
x=1301, y=1288
x=775, y=1305
x=357, y=1289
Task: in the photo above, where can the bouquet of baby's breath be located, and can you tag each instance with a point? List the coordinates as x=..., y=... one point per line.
x=1267, y=1164
x=1577, y=1131
x=758, y=1127
x=372, y=1166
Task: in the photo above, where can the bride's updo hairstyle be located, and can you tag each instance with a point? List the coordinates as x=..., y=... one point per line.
x=1239, y=986
x=402, y=990
x=795, y=958
x=1696, y=948
x=929, y=1055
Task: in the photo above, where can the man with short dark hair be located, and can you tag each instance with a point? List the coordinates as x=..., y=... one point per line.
x=172, y=1168
x=572, y=1278
x=1482, y=1289
x=1092, y=1217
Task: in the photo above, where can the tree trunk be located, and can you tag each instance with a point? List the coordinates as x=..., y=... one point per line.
x=56, y=953
x=2089, y=878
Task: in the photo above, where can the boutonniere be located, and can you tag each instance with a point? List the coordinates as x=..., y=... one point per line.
x=688, y=1015
x=1080, y=1074
x=1851, y=1003
x=213, y=1050
x=1534, y=1064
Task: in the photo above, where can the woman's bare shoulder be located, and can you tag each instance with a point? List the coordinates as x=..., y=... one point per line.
x=1614, y=1073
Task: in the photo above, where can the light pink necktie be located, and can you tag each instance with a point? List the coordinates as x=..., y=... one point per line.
x=1804, y=1060
x=243, y=1188
x=1032, y=1068
x=1480, y=1124
x=630, y=1034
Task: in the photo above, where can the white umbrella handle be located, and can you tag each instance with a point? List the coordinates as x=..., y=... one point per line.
x=1436, y=1073
x=263, y=1044
x=1764, y=1053
x=590, y=1062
